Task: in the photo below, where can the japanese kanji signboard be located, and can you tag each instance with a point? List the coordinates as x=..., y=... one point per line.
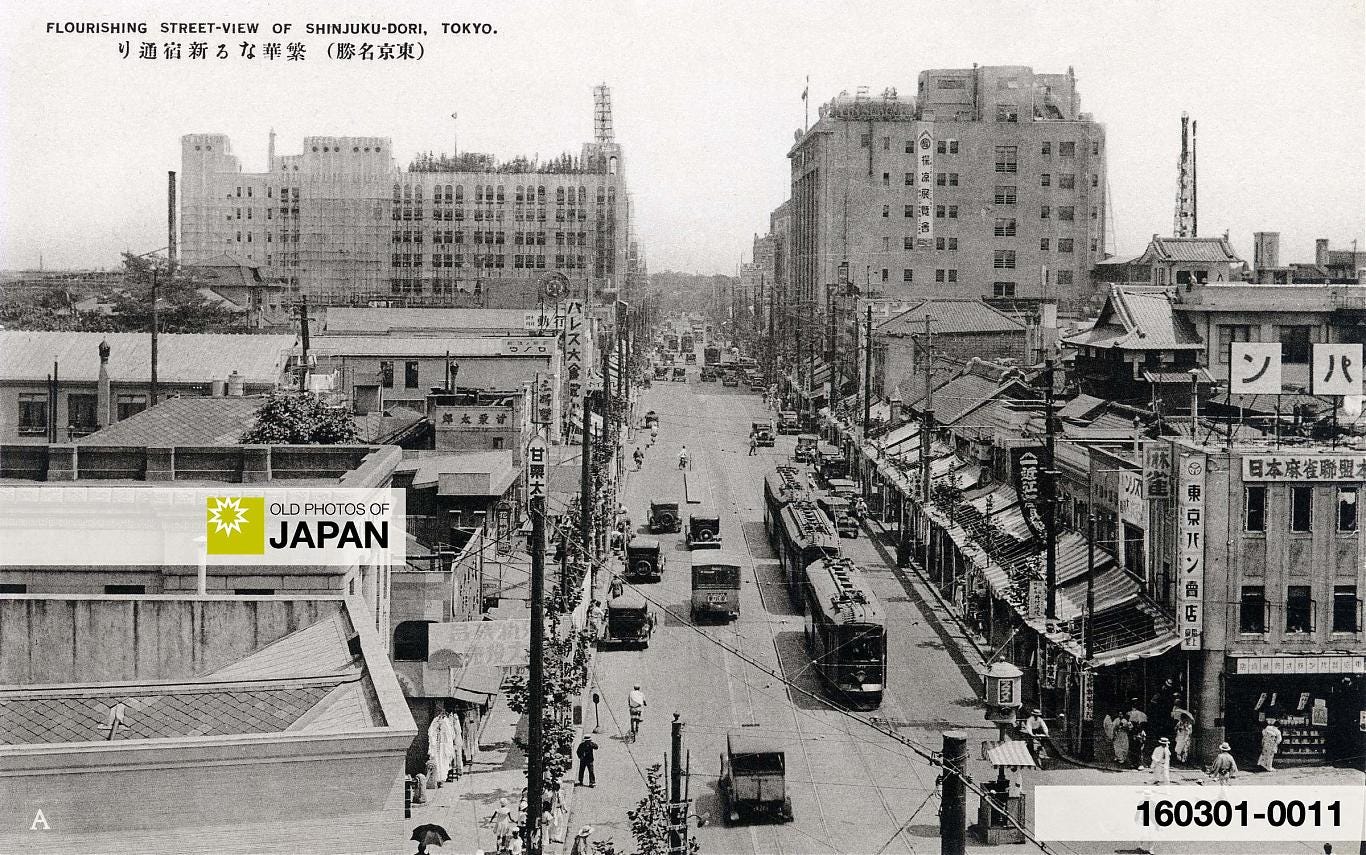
x=1191, y=548
x=575, y=353
x=1027, y=470
x=924, y=191
x=537, y=461
x=1337, y=369
x=1304, y=467
x=543, y=413
x=1157, y=470
x=1254, y=368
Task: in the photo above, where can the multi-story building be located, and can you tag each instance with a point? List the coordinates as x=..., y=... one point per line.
x=342, y=222
x=989, y=184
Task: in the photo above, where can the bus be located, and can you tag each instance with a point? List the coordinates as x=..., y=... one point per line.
x=685, y=343
x=716, y=583
x=782, y=485
x=846, y=632
x=807, y=536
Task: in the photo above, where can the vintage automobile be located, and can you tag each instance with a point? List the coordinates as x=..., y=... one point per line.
x=690, y=357
x=753, y=777
x=715, y=584
x=763, y=433
x=629, y=621
x=788, y=422
x=680, y=374
x=842, y=487
x=806, y=448
x=708, y=374
x=664, y=517
x=756, y=381
x=840, y=512
x=830, y=462
x=661, y=372
x=730, y=377
x=704, y=530
x=644, y=559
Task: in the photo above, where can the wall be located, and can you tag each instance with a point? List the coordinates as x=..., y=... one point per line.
x=496, y=372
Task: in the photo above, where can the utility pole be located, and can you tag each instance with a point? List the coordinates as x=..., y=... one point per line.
x=586, y=490
x=867, y=371
x=1090, y=583
x=772, y=344
x=830, y=345
x=152, y=398
x=536, y=677
x=303, y=341
x=1050, y=485
x=927, y=423
x=953, y=807
x=678, y=811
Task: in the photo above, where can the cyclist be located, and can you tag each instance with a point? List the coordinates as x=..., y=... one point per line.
x=636, y=702
x=1035, y=731
x=683, y=458
x=639, y=457
x=654, y=434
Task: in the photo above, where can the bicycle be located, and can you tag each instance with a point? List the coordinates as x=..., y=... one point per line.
x=636, y=715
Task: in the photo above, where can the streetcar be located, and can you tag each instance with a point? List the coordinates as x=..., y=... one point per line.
x=806, y=536
x=781, y=486
x=846, y=632
x=715, y=584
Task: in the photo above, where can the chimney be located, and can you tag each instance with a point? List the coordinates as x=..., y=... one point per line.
x=172, y=250
x=102, y=396
x=236, y=387
x=1321, y=252
x=1266, y=250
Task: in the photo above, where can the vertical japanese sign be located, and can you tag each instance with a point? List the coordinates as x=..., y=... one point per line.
x=1026, y=468
x=1191, y=548
x=1337, y=369
x=544, y=409
x=575, y=353
x=924, y=191
x=502, y=518
x=1157, y=471
x=537, y=460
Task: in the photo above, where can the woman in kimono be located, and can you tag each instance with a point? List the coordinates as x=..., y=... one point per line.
x=439, y=748
x=1185, y=727
x=1120, y=741
x=457, y=744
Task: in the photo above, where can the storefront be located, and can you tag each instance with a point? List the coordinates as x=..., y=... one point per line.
x=1316, y=700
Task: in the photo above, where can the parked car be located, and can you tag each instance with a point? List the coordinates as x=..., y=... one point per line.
x=830, y=462
x=840, y=512
x=708, y=374
x=730, y=378
x=753, y=777
x=788, y=422
x=763, y=433
x=806, y=448
x=661, y=372
x=843, y=487
x=680, y=374
x=756, y=381
x=664, y=517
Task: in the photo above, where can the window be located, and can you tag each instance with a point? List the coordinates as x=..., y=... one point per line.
x=1095, y=180
x=1003, y=259
x=908, y=242
x=1007, y=113
x=81, y=411
x=886, y=179
x=1345, y=609
x=410, y=641
x=1006, y=158
x=953, y=212
x=950, y=244
x=1301, y=508
x=1067, y=149
x=939, y=211
x=32, y=413
x=1003, y=289
x=886, y=143
x=1095, y=149
x=909, y=211
x=1299, y=609
x=947, y=147
x=865, y=140
x=1067, y=181
x=1064, y=244
x=1347, y=509
x=1254, y=507
x=910, y=179
x=130, y=405
x=1045, y=212
x=253, y=592
x=907, y=274
x=886, y=211
x=1004, y=194
x=1043, y=244
x=1252, y=609
x=1064, y=277
x=953, y=179
x=1067, y=213
x=1045, y=180
x=1005, y=227
x=1046, y=149
x=941, y=179
x=386, y=374
x=910, y=147
x=125, y=589
x=1229, y=333
x=939, y=275
x=885, y=274
x=1295, y=344
x=13, y=588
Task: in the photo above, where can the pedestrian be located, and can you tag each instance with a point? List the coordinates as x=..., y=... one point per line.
x=1147, y=845
x=1138, y=733
x=753, y=445
x=683, y=458
x=616, y=587
x=504, y=827
x=1162, y=761
x=1160, y=709
x=1224, y=768
x=585, y=754
x=639, y=458
x=595, y=615
x=1271, y=743
x=1185, y=728
x=654, y=435
x=1120, y=741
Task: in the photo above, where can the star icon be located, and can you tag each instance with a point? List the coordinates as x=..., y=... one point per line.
x=228, y=515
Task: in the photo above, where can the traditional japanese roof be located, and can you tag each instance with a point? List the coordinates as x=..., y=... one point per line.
x=1195, y=249
x=183, y=421
x=181, y=357
x=950, y=317
x=1139, y=317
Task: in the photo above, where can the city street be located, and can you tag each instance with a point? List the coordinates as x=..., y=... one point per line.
x=853, y=789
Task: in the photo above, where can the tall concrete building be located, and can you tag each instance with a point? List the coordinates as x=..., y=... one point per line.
x=343, y=223
x=989, y=183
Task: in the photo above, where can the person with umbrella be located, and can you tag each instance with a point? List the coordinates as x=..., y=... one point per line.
x=1185, y=727
x=429, y=835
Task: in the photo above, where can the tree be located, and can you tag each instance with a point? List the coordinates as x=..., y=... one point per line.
x=565, y=677
x=299, y=419
x=649, y=821
x=181, y=308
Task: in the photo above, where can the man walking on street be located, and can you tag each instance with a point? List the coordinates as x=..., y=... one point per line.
x=753, y=445
x=585, y=753
x=1224, y=769
x=1162, y=761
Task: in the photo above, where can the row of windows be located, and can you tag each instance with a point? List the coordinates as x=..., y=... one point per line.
x=1300, y=609
x=1000, y=289
x=81, y=411
x=1301, y=508
x=1004, y=228
x=1066, y=148
x=455, y=193
x=1296, y=341
x=408, y=213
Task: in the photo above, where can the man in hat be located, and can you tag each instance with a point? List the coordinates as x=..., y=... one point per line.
x=1224, y=769
x=1035, y=731
x=1162, y=761
x=585, y=754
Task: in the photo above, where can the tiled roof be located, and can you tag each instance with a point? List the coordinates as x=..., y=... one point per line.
x=40, y=716
x=961, y=395
x=181, y=357
x=316, y=649
x=1138, y=317
x=345, y=320
x=182, y=421
x=380, y=427
x=951, y=316
x=1193, y=249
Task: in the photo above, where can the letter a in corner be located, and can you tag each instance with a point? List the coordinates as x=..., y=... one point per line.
x=37, y=819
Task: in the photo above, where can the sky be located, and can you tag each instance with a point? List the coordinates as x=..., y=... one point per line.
x=706, y=97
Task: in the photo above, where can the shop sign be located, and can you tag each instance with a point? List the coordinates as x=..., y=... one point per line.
x=1299, y=665
x=537, y=460
x=502, y=518
x=1191, y=549
x=1133, y=507
x=1337, y=369
x=1026, y=466
x=1304, y=467
x=1038, y=598
x=1088, y=696
x=528, y=346
x=1254, y=368
x=575, y=352
x=924, y=191
x=1157, y=471
x=544, y=411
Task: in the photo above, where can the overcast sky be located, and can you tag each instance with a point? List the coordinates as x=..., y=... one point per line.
x=706, y=96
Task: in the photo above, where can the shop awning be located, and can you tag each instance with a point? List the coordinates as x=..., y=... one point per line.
x=1010, y=753
x=899, y=435
x=1143, y=650
x=478, y=684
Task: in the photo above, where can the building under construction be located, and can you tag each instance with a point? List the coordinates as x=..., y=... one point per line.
x=342, y=223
